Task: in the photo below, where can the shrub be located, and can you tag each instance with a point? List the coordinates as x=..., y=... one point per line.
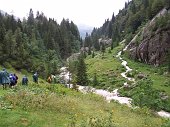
x=145, y=95
x=167, y=124
x=95, y=81
x=93, y=54
x=109, y=51
x=130, y=74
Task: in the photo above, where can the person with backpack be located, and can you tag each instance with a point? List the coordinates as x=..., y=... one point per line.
x=35, y=77
x=12, y=80
x=4, y=78
x=16, y=78
x=49, y=79
x=25, y=80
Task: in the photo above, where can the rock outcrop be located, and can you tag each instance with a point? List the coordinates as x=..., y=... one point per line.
x=106, y=41
x=151, y=46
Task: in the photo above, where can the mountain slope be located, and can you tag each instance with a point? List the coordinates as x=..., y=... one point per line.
x=129, y=21
x=54, y=105
x=36, y=44
x=152, y=44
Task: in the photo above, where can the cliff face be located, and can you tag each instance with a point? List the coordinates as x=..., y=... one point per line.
x=152, y=46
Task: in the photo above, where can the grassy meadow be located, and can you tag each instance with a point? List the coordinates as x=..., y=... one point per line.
x=107, y=69
x=56, y=106
x=53, y=105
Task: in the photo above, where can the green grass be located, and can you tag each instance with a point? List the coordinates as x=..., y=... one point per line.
x=160, y=80
x=51, y=106
x=107, y=68
x=20, y=118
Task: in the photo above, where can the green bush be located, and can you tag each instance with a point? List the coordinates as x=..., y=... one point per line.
x=145, y=95
x=124, y=92
x=130, y=74
x=166, y=105
x=167, y=124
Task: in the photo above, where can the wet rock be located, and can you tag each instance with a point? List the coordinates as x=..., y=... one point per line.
x=141, y=76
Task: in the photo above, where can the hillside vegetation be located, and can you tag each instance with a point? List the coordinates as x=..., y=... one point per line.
x=107, y=69
x=42, y=45
x=129, y=22
x=37, y=43
x=43, y=104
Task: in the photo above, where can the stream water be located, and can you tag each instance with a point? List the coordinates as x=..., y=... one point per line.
x=114, y=95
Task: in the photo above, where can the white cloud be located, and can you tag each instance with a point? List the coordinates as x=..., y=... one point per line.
x=89, y=12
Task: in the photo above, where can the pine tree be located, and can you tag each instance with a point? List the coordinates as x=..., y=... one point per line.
x=126, y=5
x=133, y=7
x=145, y=3
x=96, y=43
x=93, y=55
x=167, y=3
x=31, y=17
x=2, y=33
x=10, y=44
x=110, y=30
x=2, y=43
x=95, y=81
x=89, y=51
x=19, y=43
x=113, y=18
x=103, y=48
x=111, y=46
x=157, y=5
x=81, y=72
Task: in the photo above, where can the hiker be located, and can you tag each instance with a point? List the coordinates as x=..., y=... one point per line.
x=49, y=80
x=35, y=78
x=12, y=80
x=55, y=79
x=4, y=78
x=16, y=78
x=25, y=80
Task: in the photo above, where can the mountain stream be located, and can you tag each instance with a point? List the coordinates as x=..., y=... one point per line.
x=114, y=95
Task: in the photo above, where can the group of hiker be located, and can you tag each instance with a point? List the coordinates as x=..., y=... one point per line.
x=11, y=79
x=8, y=79
x=25, y=79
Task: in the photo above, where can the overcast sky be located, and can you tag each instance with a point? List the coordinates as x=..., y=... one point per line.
x=87, y=12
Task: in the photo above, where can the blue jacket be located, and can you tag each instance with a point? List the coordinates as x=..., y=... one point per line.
x=4, y=77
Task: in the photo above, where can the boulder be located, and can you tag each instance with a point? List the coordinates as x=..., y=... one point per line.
x=141, y=76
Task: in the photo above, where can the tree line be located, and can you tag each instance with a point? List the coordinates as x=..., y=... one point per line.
x=36, y=43
x=126, y=23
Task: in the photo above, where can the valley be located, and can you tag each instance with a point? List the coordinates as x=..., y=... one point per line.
x=114, y=75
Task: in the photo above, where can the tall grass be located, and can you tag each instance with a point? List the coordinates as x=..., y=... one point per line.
x=54, y=105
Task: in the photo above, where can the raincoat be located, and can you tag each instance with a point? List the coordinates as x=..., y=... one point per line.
x=4, y=77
